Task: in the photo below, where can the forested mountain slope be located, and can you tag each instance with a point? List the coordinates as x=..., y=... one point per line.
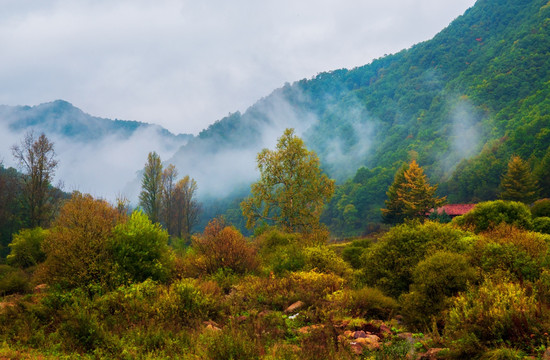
x=63, y=119
x=461, y=104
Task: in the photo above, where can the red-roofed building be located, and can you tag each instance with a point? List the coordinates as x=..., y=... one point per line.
x=454, y=209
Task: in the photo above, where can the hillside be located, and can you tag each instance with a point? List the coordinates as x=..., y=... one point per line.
x=62, y=118
x=476, y=93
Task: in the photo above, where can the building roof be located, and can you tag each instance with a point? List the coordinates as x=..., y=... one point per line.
x=454, y=209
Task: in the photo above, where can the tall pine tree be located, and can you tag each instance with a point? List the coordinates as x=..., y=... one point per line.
x=410, y=196
x=518, y=184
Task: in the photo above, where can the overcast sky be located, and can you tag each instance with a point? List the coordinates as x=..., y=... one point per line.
x=184, y=64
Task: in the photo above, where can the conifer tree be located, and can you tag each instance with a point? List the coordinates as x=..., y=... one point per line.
x=410, y=196
x=518, y=184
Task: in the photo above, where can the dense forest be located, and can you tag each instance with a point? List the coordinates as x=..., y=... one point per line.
x=339, y=247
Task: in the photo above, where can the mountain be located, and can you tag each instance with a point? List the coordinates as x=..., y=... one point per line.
x=95, y=155
x=460, y=104
x=62, y=118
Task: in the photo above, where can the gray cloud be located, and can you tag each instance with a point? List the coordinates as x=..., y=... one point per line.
x=183, y=64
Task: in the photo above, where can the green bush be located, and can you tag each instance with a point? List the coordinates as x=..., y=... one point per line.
x=522, y=254
x=140, y=250
x=366, y=302
x=494, y=313
x=489, y=214
x=323, y=259
x=227, y=344
x=353, y=252
x=541, y=208
x=184, y=302
x=435, y=279
x=280, y=252
x=389, y=263
x=13, y=280
x=542, y=224
x=26, y=248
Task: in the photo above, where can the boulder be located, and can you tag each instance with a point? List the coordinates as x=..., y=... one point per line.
x=294, y=307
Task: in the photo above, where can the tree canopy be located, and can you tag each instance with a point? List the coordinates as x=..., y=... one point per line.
x=292, y=189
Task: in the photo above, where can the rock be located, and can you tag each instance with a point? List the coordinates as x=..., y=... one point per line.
x=371, y=342
x=292, y=308
x=546, y=355
x=385, y=331
x=210, y=327
x=359, y=334
x=356, y=348
x=38, y=289
x=349, y=333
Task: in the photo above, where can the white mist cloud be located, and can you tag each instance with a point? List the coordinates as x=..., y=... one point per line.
x=104, y=168
x=183, y=64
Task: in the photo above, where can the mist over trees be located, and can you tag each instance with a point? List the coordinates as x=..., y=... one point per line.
x=169, y=201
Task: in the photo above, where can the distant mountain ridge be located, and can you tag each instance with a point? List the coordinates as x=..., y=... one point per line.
x=62, y=118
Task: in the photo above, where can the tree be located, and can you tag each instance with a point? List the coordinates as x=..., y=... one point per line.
x=168, y=201
x=186, y=208
x=151, y=185
x=410, y=196
x=393, y=213
x=518, y=184
x=77, y=251
x=26, y=248
x=140, y=249
x=542, y=174
x=36, y=158
x=292, y=189
x=222, y=247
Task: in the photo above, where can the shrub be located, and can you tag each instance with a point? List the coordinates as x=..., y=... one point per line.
x=324, y=259
x=26, y=248
x=13, y=280
x=435, y=279
x=184, y=302
x=222, y=246
x=541, y=208
x=280, y=252
x=139, y=249
x=520, y=253
x=366, y=302
x=353, y=252
x=489, y=214
x=542, y=225
x=228, y=344
x=497, y=312
x=389, y=263
x=77, y=246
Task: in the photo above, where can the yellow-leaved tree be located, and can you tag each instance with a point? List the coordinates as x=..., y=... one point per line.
x=410, y=196
x=292, y=189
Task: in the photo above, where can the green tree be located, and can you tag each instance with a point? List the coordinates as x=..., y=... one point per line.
x=410, y=196
x=140, y=249
x=168, y=203
x=151, y=185
x=542, y=174
x=292, y=189
x=186, y=207
x=26, y=248
x=518, y=184
x=36, y=158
